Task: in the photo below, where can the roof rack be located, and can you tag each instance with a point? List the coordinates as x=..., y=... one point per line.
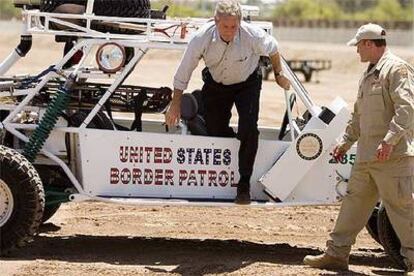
x=145, y=30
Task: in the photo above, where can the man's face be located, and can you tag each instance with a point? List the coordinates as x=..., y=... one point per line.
x=227, y=26
x=364, y=49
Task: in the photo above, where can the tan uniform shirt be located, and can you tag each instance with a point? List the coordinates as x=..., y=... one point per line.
x=384, y=110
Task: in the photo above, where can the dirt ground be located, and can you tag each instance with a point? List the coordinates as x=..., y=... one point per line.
x=103, y=239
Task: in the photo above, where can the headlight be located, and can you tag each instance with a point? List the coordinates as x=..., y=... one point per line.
x=110, y=57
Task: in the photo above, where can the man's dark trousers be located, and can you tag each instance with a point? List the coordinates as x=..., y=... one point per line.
x=218, y=100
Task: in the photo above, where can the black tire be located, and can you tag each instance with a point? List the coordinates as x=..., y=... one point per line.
x=100, y=121
x=307, y=73
x=120, y=8
x=23, y=182
x=389, y=239
x=49, y=211
x=372, y=225
x=52, y=178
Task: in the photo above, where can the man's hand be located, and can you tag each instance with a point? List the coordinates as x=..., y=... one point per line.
x=283, y=82
x=338, y=153
x=173, y=115
x=384, y=151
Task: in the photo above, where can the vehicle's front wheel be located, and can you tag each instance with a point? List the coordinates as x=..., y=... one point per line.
x=22, y=200
x=49, y=211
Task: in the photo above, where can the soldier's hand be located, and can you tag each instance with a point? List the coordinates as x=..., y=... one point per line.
x=283, y=82
x=338, y=153
x=172, y=117
x=384, y=151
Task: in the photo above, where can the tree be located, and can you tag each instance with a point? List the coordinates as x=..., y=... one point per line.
x=308, y=9
x=386, y=10
x=368, y=10
x=177, y=10
x=352, y=6
x=7, y=10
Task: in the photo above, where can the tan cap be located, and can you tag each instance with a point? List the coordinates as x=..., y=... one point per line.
x=368, y=31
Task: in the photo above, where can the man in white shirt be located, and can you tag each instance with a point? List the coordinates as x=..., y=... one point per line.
x=231, y=49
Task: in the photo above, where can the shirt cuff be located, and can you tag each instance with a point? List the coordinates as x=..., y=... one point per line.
x=345, y=144
x=274, y=52
x=391, y=138
x=180, y=84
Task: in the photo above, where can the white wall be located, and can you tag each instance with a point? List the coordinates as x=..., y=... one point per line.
x=331, y=35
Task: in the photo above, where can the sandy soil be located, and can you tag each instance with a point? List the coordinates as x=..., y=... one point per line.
x=102, y=239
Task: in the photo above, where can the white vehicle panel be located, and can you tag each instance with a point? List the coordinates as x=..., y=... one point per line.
x=135, y=164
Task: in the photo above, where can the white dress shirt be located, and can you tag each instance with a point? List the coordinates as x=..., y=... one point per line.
x=228, y=63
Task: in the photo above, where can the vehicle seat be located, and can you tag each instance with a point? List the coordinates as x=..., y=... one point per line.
x=190, y=114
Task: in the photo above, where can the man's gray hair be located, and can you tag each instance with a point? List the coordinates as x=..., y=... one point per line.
x=228, y=8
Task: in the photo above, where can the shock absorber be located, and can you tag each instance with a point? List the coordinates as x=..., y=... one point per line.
x=49, y=119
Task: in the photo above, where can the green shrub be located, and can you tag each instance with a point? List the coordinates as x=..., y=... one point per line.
x=181, y=10
x=308, y=9
x=376, y=10
x=7, y=10
x=386, y=10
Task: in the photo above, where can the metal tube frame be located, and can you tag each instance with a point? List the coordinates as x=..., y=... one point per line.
x=141, y=43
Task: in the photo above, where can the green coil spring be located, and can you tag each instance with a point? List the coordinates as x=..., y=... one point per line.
x=41, y=133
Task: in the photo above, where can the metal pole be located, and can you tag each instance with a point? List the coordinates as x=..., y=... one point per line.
x=89, y=6
x=290, y=117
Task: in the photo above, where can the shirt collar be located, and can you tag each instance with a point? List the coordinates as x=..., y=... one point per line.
x=217, y=38
x=383, y=59
x=381, y=62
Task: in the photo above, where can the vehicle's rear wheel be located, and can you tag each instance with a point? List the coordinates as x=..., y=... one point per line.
x=56, y=179
x=22, y=200
x=120, y=8
x=100, y=121
x=372, y=225
x=388, y=238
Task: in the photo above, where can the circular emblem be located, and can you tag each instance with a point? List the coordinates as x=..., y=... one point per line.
x=309, y=146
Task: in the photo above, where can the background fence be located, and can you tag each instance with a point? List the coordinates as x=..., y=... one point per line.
x=303, y=20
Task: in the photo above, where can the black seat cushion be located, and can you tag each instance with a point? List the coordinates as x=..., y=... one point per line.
x=197, y=126
x=191, y=113
x=189, y=107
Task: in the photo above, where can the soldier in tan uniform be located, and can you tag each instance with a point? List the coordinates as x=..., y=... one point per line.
x=383, y=125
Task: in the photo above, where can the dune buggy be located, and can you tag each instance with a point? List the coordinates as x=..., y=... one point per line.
x=61, y=141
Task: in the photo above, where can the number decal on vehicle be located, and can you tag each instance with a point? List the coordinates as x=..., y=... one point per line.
x=347, y=159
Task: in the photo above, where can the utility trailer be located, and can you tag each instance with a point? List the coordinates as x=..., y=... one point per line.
x=61, y=143
x=305, y=66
